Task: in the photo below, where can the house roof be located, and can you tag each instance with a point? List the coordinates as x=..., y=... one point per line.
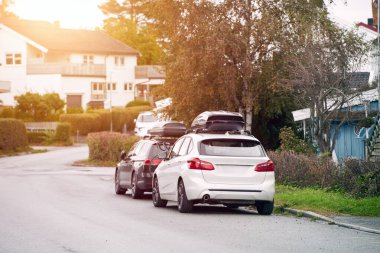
x=54, y=38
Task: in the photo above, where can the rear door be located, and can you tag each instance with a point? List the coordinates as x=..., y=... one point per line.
x=234, y=161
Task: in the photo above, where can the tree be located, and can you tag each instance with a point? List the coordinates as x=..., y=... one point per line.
x=33, y=106
x=126, y=22
x=4, y=5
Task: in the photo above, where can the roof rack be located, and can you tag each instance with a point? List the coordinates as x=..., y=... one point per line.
x=236, y=132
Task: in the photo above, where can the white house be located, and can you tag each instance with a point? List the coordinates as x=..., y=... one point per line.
x=86, y=68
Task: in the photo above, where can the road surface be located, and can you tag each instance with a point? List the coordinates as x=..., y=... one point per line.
x=47, y=205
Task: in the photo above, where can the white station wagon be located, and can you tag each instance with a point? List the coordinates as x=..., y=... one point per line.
x=228, y=169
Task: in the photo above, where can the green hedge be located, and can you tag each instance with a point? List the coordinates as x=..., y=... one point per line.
x=12, y=135
x=138, y=102
x=62, y=133
x=37, y=137
x=100, y=120
x=355, y=177
x=106, y=146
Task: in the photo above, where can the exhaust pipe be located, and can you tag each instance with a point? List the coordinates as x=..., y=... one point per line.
x=206, y=198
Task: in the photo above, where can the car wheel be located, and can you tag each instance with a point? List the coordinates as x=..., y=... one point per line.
x=184, y=205
x=231, y=206
x=264, y=207
x=156, y=198
x=136, y=192
x=118, y=189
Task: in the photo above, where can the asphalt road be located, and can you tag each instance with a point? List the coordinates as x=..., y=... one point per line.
x=46, y=205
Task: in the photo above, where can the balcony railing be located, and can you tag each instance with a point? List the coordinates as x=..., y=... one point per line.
x=99, y=97
x=5, y=86
x=149, y=71
x=67, y=69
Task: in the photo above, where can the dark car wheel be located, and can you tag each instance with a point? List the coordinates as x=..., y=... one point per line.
x=118, y=189
x=156, y=198
x=184, y=205
x=264, y=207
x=136, y=192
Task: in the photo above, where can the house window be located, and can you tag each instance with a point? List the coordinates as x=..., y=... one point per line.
x=101, y=86
x=113, y=86
x=13, y=59
x=17, y=58
x=127, y=86
x=9, y=59
x=119, y=61
x=88, y=59
x=94, y=86
x=108, y=86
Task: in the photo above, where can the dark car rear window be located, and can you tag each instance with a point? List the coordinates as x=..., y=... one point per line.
x=231, y=147
x=156, y=149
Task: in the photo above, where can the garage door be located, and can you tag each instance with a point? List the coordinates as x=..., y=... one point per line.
x=74, y=101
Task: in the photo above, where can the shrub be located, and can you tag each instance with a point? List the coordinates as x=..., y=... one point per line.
x=12, y=135
x=7, y=112
x=360, y=178
x=62, y=133
x=83, y=122
x=303, y=170
x=138, y=102
x=70, y=110
x=106, y=146
x=290, y=142
x=37, y=137
x=355, y=177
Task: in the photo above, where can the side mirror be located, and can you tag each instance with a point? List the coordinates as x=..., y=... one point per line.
x=123, y=155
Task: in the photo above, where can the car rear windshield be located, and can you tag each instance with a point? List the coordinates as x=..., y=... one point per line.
x=231, y=147
x=147, y=118
x=156, y=149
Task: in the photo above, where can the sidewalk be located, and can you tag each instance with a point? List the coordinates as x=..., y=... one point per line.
x=366, y=224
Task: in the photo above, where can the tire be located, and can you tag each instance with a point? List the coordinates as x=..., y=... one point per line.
x=135, y=191
x=231, y=206
x=156, y=198
x=264, y=207
x=118, y=189
x=184, y=205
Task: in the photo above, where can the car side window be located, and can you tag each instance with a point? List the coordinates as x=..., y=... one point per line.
x=184, y=147
x=176, y=148
x=131, y=151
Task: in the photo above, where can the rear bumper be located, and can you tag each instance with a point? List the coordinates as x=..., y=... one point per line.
x=144, y=183
x=197, y=188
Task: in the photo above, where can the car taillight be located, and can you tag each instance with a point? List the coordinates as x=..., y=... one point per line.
x=152, y=162
x=264, y=167
x=197, y=164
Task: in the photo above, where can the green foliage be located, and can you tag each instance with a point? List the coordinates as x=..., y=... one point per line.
x=70, y=110
x=106, y=146
x=83, y=122
x=138, y=102
x=100, y=120
x=366, y=122
x=62, y=133
x=36, y=107
x=37, y=138
x=12, y=135
x=290, y=142
x=7, y=112
x=127, y=23
x=355, y=177
x=326, y=202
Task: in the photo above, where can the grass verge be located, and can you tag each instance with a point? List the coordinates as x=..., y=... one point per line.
x=23, y=151
x=326, y=202
x=95, y=163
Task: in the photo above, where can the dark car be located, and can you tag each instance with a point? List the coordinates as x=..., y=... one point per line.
x=136, y=168
x=218, y=122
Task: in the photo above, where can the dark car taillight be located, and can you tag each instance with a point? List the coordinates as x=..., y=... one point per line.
x=197, y=164
x=264, y=167
x=152, y=162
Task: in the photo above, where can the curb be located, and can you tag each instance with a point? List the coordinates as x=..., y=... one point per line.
x=313, y=215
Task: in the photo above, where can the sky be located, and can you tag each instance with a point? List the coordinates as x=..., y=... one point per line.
x=86, y=14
